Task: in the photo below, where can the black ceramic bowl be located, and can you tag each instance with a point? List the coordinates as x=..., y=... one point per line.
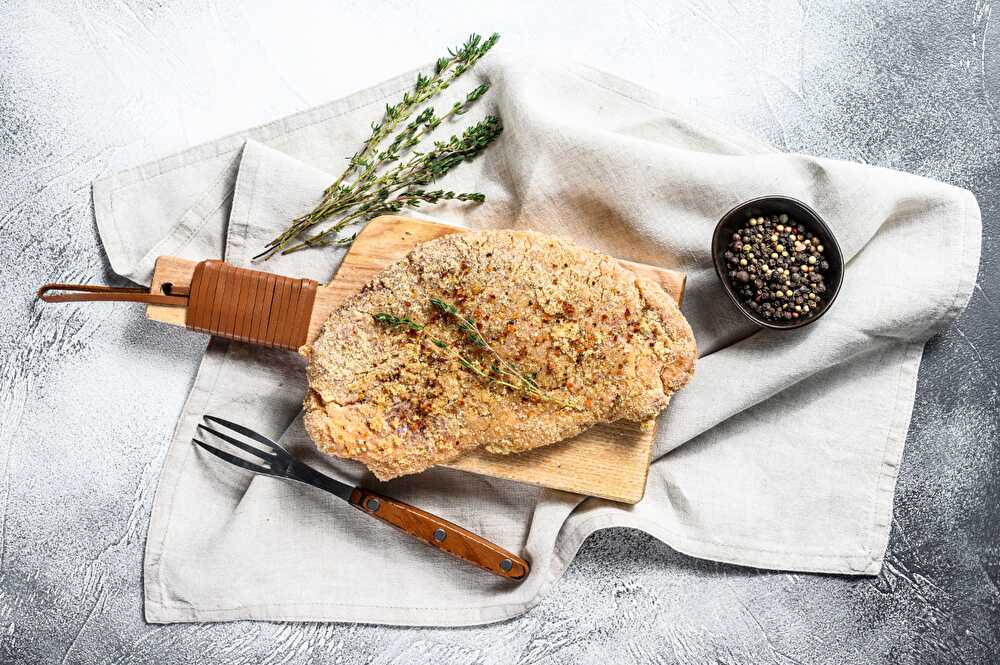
x=800, y=213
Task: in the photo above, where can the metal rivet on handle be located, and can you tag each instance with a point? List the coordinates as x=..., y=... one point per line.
x=506, y=565
x=372, y=504
x=439, y=535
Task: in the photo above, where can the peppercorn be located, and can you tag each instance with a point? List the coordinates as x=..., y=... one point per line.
x=775, y=266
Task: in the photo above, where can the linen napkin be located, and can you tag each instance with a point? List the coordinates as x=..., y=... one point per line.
x=782, y=453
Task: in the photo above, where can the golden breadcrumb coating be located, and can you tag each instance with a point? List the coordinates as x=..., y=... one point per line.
x=592, y=333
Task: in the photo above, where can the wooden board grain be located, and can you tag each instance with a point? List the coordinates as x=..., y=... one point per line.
x=609, y=461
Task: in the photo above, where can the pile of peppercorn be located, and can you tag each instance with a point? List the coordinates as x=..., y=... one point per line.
x=776, y=267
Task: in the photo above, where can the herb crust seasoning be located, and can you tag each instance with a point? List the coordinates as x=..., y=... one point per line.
x=567, y=338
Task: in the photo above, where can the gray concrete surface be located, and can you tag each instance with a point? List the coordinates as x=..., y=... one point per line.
x=88, y=395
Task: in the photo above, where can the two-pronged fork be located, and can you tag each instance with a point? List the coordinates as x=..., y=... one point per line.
x=432, y=530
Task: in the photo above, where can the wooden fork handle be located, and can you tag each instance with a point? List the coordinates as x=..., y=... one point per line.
x=441, y=534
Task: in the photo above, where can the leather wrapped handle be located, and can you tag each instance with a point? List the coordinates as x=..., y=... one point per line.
x=441, y=534
x=250, y=306
x=97, y=293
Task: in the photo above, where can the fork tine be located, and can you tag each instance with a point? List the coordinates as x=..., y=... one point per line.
x=249, y=433
x=239, y=444
x=232, y=459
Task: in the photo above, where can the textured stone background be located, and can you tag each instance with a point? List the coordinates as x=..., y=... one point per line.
x=88, y=395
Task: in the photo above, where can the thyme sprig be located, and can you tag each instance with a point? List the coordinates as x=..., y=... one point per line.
x=393, y=321
x=476, y=338
x=446, y=70
x=362, y=193
x=499, y=372
x=400, y=186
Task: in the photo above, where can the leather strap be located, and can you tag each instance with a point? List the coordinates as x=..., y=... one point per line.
x=95, y=293
x=249, y=305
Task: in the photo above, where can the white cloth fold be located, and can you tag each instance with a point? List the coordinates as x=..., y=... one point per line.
x=791, y=440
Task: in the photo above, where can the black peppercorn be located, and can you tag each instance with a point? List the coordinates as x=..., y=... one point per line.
x=775, y=266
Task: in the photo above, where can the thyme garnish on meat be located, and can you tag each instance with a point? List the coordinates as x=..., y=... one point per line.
x=378, y=182
x=499, y=372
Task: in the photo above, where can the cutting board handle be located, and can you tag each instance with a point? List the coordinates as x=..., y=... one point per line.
x=249, y=306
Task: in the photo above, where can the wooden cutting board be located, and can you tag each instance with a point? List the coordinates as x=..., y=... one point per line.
x=609, y=461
